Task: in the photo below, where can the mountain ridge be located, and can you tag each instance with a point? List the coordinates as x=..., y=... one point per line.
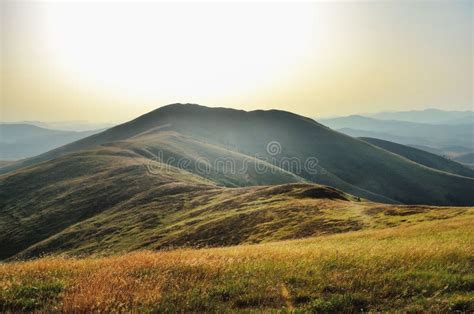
x=140, y=185
x=24, y=140
x=438, y=136
x=343, y=162
x=422, y=157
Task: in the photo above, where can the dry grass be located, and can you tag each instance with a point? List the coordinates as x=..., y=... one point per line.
x=412, y=268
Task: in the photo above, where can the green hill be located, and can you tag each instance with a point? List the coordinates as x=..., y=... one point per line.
x=42, y=200
x=112, y=199
x=422, y=157
x=186, y=175
x=343, y=162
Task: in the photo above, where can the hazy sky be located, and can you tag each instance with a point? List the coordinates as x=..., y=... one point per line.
x=114, y=61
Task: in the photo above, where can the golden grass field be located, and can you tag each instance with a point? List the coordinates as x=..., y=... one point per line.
x=422, y=267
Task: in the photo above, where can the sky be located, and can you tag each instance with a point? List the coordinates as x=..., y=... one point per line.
x=113, y=61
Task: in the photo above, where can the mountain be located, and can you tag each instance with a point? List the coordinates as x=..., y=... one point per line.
x=432, y=116
x=426, y=144
x=4, y=163
x=405, y=140
x=446, y=151
x=422, y=157
x=467, y=158
x=187, y=175
x=23, y=140
x=77, y=126
x=440, y=136
x=110, y=200
x=307, y=149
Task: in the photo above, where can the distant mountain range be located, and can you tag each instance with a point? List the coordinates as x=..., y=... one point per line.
x=422, y=157
x=19, y=141
x=447, y=133
x=467, y=159
x=77, y=126
x=186, y=174
x=195, y=132
x=431, y=116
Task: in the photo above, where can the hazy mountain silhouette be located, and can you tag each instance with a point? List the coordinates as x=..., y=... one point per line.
x=432, y=116
x=125, y=188
x=23, y=140
x=439, y=136
x=343, y=162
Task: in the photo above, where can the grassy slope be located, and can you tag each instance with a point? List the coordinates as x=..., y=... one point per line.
x=136, y=210
x=422, y=267
x=218, y=164
x=113, y=199
x=422, y=157
x=222, y=217
x=42, y=200
x=345, y=163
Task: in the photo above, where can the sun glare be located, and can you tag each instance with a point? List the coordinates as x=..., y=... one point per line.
x=315, y=59
x=187, y=50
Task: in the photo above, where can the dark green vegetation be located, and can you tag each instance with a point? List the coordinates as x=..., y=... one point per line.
x=421, y=267
x=422, y=157
x=354, y=166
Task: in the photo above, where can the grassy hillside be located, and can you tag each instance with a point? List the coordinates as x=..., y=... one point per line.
x=415, y=268
x=42, y=200
x=113, y=199
x=422, y=157
x=236, y=225
x=342, y=162
x=216, y=163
